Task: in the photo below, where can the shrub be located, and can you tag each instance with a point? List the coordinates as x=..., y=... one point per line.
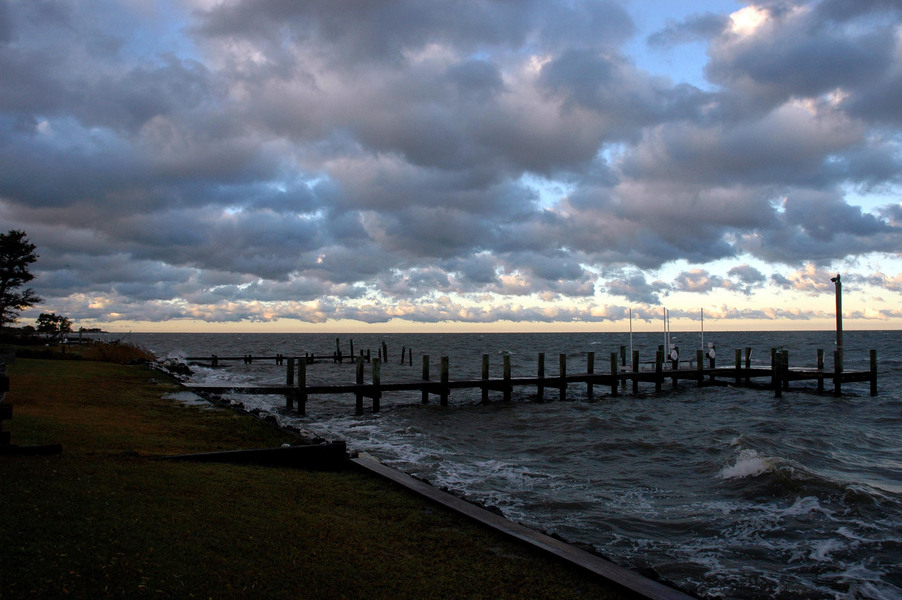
x=116, y=352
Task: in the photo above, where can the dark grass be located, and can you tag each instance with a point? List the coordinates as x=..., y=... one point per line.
x=105, y=519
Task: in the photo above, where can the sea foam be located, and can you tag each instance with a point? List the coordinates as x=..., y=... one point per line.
x=748, y=464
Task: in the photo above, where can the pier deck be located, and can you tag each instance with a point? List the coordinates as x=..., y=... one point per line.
x=616, y=379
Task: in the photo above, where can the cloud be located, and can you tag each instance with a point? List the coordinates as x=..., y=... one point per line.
x=696, y=27
x=257, y=160
x=633, y=286
x=697, y=280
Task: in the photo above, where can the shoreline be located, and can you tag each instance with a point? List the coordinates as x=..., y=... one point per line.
x=103, y=517
x=562, y=549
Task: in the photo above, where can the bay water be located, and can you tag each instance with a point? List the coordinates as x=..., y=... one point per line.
x=724, y=492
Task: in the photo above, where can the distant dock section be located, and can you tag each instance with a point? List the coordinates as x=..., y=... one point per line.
x=617, y=376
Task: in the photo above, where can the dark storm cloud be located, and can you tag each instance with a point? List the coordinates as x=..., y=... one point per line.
x=368, y=158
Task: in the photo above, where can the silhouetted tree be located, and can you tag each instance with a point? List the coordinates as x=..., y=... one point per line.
x=54, y=325
x=16, y=256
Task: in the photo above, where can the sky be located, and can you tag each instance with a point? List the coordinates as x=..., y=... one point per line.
x=479, y=165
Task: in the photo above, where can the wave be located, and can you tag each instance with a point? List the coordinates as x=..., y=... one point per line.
x=748, y=464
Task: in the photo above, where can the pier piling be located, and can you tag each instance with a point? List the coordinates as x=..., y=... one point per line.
x=562, y=374
x=425, y=378
x=445, y=390
x=590, y=369
x=296, y=387
x=540, y=373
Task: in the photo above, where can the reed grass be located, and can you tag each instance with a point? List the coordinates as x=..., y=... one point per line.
x=104, y=519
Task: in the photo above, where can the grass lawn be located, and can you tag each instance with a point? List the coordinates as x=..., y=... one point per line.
x=103, y=519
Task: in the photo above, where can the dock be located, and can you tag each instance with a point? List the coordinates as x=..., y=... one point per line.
x=616, y=378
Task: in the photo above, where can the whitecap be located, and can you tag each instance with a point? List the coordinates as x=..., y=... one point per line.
x=748, y=464
x=822, y=550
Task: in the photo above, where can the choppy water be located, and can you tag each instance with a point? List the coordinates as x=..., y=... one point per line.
x=725, y=492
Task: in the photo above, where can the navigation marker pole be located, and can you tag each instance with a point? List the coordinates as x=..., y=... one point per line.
x=838, y=283
x=703, y=329
x=631, y=332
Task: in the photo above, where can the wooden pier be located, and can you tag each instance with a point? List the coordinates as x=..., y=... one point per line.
x=213, y=360
x=615, y=377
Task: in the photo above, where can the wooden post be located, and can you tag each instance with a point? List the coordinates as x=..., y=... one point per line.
x=351, y=342
x=675, y=365
x=659, y=368
x=289, y=373
x=748, y=364
x=338, y=349
x=615, y=371
x=635, y=370
x=425, y=377
x=700, y=365
x=540, y=385
x=776, y=372
x=738, y=366
x=873, y=372
x=785, y=375
x=773, y=367
x=403, y=352
x=302, y=387
x=359, y=394
x=410, y=357
x=368, y=355
x=507, y=378
x=377, y=383
x=384, y=352
x=289, y=381
x=622, y=356
x=215, y=361
x=837, y=372
x=444, y=381
x=562, y=385
x=485, y=377
x=590, y=370
x=820, y=369
x=712, y=362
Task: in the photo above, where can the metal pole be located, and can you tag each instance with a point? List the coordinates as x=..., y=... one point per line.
x=838, y=283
